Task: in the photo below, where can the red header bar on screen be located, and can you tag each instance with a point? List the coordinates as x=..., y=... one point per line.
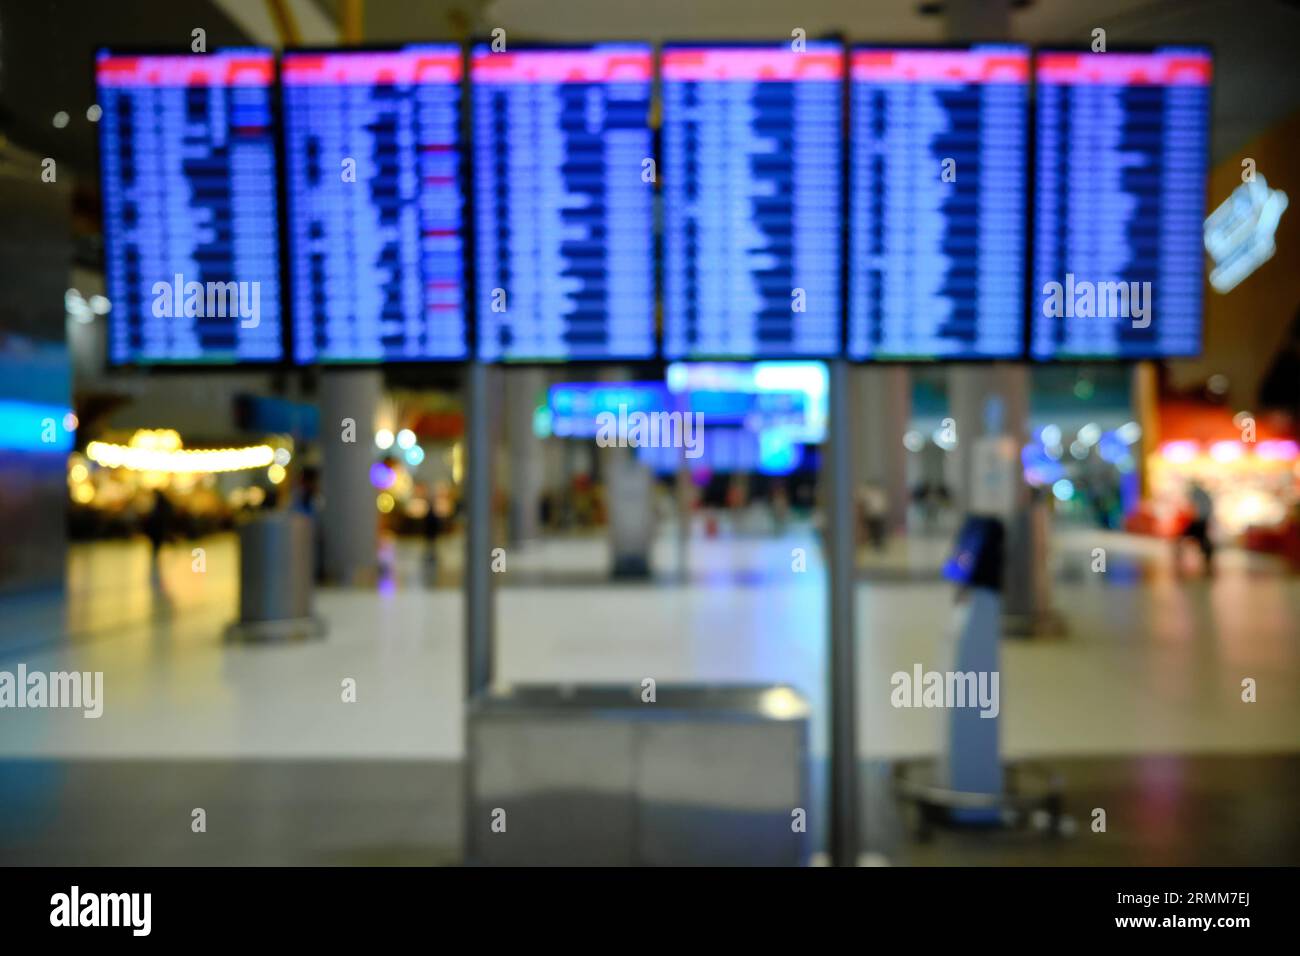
x=199, y=69
x=563, y=66
x=1161, y=68
x=752, y=63
x=370, y=67
x=940, y=66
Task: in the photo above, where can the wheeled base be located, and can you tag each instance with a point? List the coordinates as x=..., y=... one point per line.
x=1031, y=795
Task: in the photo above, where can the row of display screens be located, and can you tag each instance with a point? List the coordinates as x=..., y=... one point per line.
x=554, y=193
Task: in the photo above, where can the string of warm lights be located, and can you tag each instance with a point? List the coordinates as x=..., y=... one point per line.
x=179, y=461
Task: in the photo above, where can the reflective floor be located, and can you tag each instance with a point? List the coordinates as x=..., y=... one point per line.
x=1149, y=676
x=1161, y=811
x=1153, y=663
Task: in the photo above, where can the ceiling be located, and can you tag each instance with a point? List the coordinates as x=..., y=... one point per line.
x=1257, y=82
x=46, y=46
x=47, y=50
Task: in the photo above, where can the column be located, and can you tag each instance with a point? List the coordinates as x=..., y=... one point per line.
x=526, y=474
x=882, y=408
x=629, y=488
x=348, y=522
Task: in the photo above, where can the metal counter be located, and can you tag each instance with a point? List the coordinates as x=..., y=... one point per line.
x=705, y=775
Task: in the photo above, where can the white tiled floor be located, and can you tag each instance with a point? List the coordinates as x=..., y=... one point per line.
x=1153, y=664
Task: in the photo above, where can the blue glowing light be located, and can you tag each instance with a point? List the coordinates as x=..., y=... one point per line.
x=32, y=426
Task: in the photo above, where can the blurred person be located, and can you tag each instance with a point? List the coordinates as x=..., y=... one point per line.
x=921, y=501
x=930, y=499
x=158, y=527
x=873, y=505
x=780, y=506
x=1200, y=510
x=1101, y=499
x=306, y=499
x=737, y=493
x=307, y=492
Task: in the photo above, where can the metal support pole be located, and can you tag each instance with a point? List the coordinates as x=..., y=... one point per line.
x=840, y=553
x=479, y=603
x=286, y=24
x=1145, y=401
x=351, y=19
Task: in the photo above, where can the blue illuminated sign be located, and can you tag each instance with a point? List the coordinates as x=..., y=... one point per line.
x=574, y=406
x=32, y=426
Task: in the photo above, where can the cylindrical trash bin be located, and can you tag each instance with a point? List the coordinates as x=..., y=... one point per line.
x=276, y=559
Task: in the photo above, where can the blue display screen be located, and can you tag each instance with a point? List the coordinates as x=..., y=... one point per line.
x=752, y=146
x=564, y=185
x=937, y=202
x=730, y=450
x=192, y=247
x=1120, y=201
x=372, y=146
x=575, y=407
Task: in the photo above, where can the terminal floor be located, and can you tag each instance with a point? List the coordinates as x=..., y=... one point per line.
x=1160, y=811
x=1140, y=704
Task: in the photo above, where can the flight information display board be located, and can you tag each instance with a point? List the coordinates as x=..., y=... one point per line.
x=937, y=202
x=1121, y=167
x=752, y=147
x=376, y=245
x=564, y=203
x=191, y=235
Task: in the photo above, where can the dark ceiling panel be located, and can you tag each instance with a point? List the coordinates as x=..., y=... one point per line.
x=47, y=52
